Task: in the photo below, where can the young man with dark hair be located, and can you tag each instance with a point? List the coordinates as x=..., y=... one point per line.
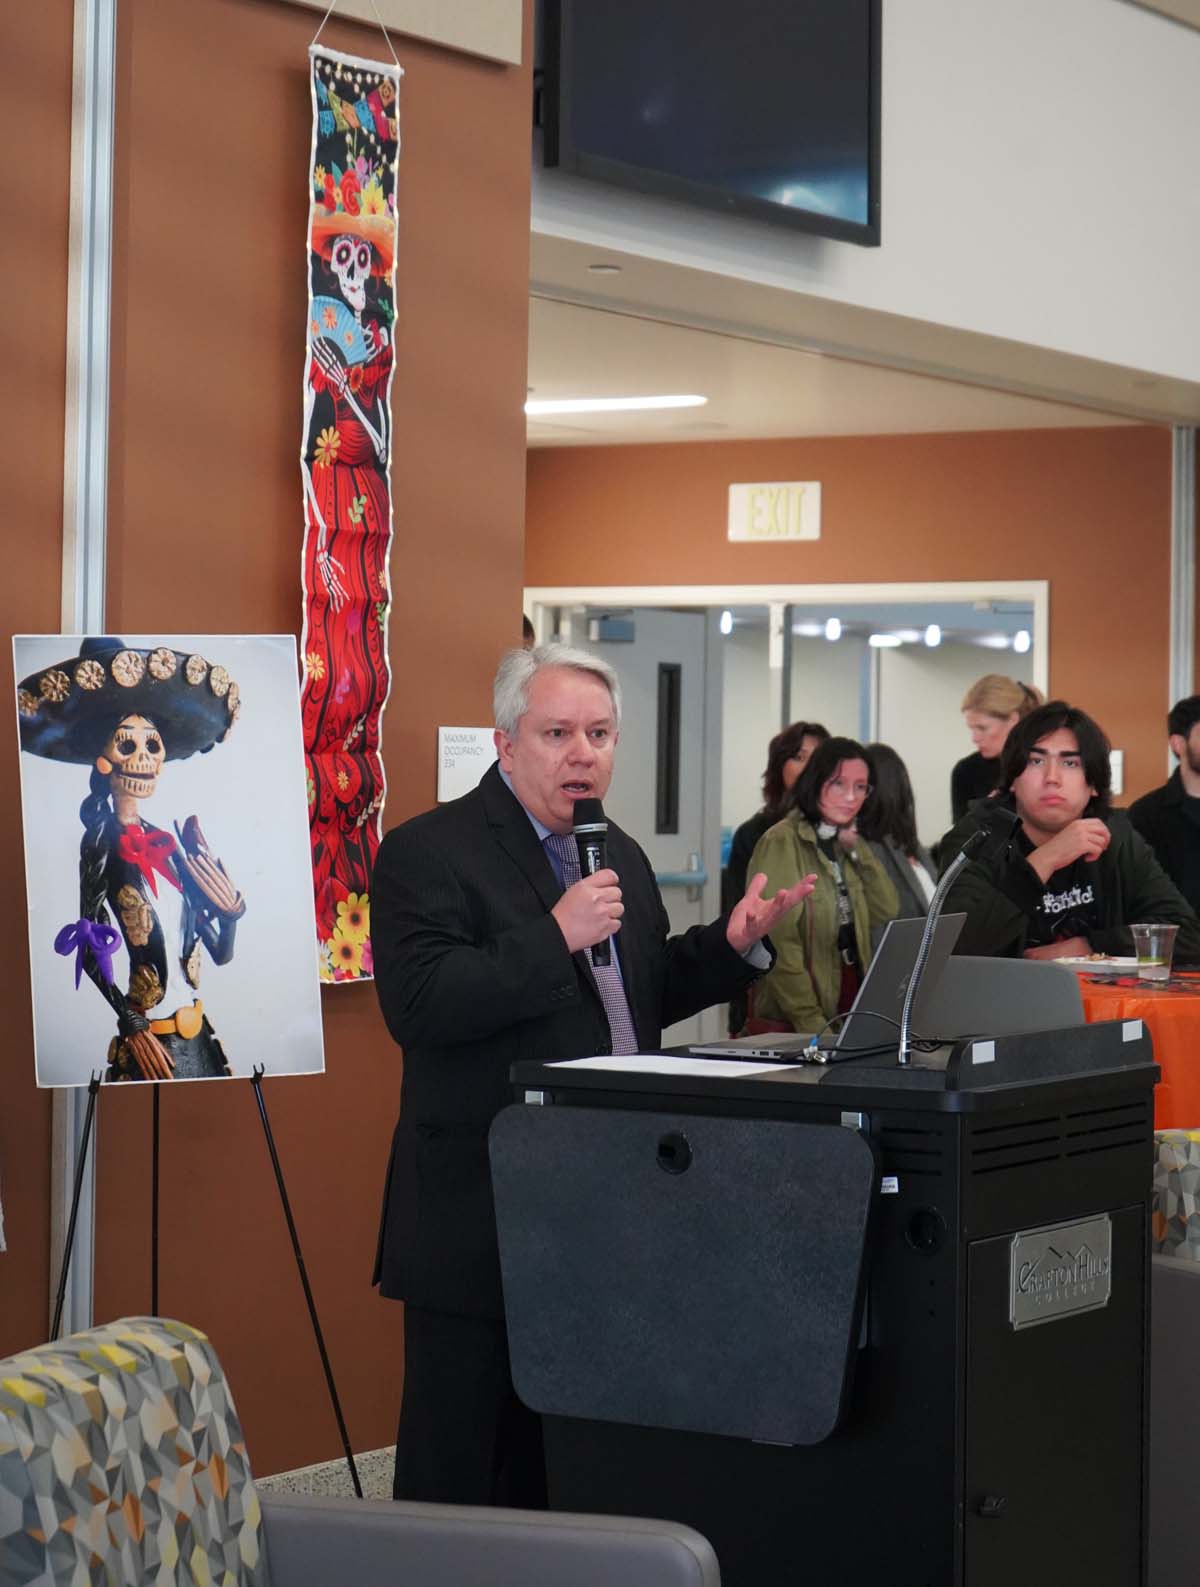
x=1061, y=874
x=1169, y=818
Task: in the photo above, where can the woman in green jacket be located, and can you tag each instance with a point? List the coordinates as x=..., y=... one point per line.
x=824, y=947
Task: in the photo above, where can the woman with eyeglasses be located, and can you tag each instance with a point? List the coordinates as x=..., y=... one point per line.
x=824, y=947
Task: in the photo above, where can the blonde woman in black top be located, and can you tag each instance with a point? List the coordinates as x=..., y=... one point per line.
x=991, y=708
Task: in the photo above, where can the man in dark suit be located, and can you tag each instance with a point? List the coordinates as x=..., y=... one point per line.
x=480, y=932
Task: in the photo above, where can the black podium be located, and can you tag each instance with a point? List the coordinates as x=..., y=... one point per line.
x=856, y=1324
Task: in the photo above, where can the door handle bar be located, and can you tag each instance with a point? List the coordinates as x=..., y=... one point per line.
x=697, y=878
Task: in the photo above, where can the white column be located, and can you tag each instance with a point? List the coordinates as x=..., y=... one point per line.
x=1183, y=563
x=85, y=492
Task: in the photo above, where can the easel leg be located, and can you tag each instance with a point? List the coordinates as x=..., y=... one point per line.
x=93, y=1089
x=154, y=1206
x=256, y=1079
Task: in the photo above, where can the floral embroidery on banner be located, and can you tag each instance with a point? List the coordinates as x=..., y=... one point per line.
x=345, y=466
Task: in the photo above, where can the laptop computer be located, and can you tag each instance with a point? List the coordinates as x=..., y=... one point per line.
x=873, y=1022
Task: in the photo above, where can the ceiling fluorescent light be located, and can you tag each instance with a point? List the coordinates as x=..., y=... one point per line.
x=884, y=641
x=933, y=635
x=727, y=622
x=1021, y=641
x=610, y=404
x=833, y=628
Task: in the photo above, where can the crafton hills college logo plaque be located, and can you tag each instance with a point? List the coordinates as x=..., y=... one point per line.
x=1059, y=1270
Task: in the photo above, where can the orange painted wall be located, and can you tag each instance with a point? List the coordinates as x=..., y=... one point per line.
x=33, y=272
x=1088, y=510
x=205, y=530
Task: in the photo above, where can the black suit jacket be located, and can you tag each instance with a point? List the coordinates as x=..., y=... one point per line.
x=473, y=974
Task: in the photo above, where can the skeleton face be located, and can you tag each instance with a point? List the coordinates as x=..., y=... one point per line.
x=134, y=755
x=351, y=263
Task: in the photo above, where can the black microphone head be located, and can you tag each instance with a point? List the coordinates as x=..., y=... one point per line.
x=589, y=816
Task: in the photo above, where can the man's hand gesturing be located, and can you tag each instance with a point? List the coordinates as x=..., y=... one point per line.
x=752, y=918
x=589, y=911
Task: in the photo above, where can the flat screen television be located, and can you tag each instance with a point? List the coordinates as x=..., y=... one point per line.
x=767, y=108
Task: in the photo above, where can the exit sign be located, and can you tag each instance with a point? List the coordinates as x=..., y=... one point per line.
x=778, y=510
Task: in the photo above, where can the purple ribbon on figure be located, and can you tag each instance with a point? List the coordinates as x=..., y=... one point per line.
x=81, y=934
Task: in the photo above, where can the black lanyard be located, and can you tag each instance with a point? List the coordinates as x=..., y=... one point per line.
x=847, y=941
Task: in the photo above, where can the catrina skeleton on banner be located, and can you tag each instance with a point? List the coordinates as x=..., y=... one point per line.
x=351, y=362
x=347, y=496
x=125, y=712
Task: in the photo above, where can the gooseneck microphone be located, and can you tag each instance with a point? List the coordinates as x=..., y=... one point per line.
x=1000, y=837
x=591, y=839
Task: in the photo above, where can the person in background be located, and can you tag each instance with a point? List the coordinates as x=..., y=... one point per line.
x=1060, y=874
x=481, y=925
x=889, y=823
x=991, y=708
x=1169, y=818
x=824, y=948
x=787, y=755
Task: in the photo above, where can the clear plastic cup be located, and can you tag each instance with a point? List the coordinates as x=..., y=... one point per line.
x=1154, y=946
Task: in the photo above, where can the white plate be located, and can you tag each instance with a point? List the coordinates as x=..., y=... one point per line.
x=1116, y=966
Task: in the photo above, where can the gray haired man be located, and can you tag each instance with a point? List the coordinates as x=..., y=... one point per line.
x=480, y=922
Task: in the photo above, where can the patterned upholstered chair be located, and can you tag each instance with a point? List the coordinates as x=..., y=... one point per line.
x=122, y=1464
x=1175, y=1207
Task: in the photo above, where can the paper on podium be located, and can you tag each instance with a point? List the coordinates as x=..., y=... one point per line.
x=661, y=1064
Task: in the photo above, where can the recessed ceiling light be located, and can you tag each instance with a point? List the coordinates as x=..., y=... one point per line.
x=611, y=404
x=884, y=641
x=933, y=636
x=833, y=628
x=1021, y=641
x=727, y=621
x=604, y=269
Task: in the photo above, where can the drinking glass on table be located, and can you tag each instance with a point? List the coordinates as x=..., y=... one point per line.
x=1154, y=946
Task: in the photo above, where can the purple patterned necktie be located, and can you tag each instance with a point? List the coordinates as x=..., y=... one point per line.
x=607, y=976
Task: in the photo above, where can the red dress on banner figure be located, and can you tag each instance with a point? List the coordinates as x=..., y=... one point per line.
x=347, y=500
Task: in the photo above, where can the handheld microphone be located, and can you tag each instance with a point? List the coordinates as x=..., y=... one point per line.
x=591, y=839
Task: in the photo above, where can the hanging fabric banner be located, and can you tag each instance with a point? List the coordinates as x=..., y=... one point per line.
x=346, y=463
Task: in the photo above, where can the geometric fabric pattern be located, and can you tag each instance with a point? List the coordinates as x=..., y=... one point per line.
x=1175, y=1215
x=122, y=1464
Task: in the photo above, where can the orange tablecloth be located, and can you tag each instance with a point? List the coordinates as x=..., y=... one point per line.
x=1172, y=1017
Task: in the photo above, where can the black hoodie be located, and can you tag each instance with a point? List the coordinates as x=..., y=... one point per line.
x=1010, y=908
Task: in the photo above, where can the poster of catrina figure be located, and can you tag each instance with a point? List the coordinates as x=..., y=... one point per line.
x=166, y=858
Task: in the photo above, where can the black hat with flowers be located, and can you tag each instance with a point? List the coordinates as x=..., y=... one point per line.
x=68, y=711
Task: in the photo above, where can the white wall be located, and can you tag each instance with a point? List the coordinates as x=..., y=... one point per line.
x=1038, y=184
x=827, y=683
x=747, y=725
x=920, y=695
x=825, y=688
